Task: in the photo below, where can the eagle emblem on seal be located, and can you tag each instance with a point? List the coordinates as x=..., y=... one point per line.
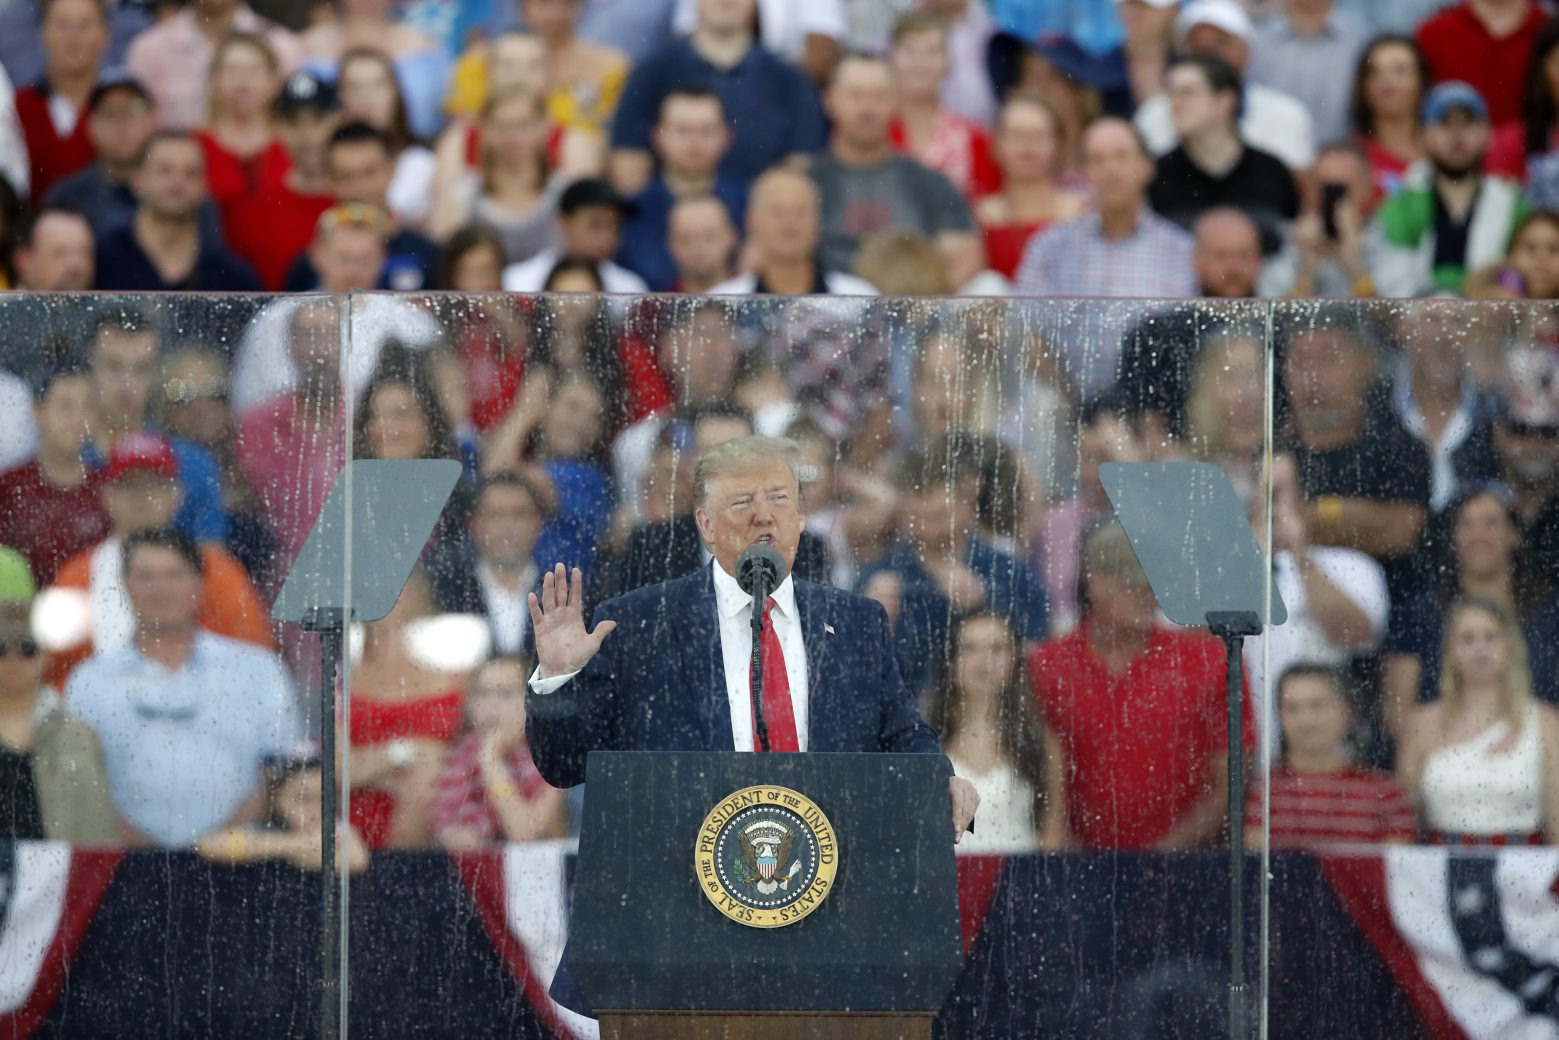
x=765, y=845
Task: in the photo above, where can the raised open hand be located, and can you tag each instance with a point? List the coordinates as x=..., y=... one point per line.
x=557, y=617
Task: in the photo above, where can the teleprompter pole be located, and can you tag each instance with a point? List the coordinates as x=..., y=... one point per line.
x=327, y=623
x=1232, y=626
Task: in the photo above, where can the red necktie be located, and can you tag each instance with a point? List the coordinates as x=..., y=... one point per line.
x=777, y=709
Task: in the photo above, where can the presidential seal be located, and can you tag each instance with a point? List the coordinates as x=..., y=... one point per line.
x=766, y=856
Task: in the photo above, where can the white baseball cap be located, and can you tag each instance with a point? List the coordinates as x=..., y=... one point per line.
x=1227, y=15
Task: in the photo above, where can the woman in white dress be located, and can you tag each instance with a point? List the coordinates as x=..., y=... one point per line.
x=984, y=710
x=1482, y=761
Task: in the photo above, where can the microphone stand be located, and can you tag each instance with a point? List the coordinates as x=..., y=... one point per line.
x=760, y=598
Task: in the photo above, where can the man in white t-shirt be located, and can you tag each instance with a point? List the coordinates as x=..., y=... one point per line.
x=590, y=227
x=1336, y=597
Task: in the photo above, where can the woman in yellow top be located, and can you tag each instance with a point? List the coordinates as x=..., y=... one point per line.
x=584, y=79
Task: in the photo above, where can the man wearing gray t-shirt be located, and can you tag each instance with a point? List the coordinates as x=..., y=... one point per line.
x=866, y=186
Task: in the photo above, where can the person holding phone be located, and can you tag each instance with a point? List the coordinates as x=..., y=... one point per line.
x=1328, y=245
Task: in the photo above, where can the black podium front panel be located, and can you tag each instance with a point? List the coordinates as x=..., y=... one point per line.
x=644, y=935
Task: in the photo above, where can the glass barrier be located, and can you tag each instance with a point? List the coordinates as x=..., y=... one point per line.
x=164, y=458
x=1411, y=692
x=1399, y=459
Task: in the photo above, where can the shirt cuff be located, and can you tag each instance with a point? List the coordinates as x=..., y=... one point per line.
x=541, y=687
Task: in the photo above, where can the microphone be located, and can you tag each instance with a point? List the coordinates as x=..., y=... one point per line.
x=759, y=571
x=760, y=562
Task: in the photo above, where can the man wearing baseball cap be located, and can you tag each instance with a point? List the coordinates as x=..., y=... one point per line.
x=590, y=216
x=1450, y=217
x=1270, y=120
x=120, y=121
x=140, y=489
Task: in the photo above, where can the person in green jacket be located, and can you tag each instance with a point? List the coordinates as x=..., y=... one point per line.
x=1449, y=218
x=52, y=784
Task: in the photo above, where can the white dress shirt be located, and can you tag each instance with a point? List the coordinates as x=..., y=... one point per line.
x=508, y=612
x=735, y=609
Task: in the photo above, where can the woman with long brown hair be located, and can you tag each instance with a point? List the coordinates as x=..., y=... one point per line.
x=1028, y=147
x=244, y=152
x=984, y=710
x=1388, y=88
x=511, y=189
x=1482, y=761
x=422, y=67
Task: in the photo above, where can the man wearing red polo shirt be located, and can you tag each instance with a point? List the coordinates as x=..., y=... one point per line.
x=1140, y=712
x=1486, y=43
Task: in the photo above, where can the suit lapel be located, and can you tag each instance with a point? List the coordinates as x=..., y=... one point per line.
x=703, y=662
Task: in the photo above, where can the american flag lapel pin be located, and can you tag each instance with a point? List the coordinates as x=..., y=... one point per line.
x=828, y=628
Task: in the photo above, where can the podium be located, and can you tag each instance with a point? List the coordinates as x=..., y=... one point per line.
x=764, y=895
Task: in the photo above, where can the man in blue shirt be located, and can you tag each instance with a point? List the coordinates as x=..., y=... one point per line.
x=771, y=108
x=690, y=140
x=162, y=249
x=21, y=46
x=124, y=355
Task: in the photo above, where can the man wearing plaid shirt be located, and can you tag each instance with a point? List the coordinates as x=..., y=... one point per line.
x=1122, y=249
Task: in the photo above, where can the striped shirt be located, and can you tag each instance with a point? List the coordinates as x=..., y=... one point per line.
x=1312, y=810
x=1074, y=258
x=460, y=793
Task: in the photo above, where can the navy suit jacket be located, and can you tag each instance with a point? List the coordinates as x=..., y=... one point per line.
x=658, y=681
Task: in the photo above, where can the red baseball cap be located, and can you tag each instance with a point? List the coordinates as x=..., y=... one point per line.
x=141, y=452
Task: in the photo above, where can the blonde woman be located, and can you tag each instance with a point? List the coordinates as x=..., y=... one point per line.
x=1482, y=761
x=583, y=80
x=1225, y=409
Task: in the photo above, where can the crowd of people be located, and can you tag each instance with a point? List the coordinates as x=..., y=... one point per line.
x=880, y=219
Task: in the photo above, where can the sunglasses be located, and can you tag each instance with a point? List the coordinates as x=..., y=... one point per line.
x=25, y=646
x=188, y=391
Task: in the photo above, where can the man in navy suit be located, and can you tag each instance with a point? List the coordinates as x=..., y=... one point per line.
x=676, y=677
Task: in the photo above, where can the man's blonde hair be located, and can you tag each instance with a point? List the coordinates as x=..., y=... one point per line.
x=743, y=455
